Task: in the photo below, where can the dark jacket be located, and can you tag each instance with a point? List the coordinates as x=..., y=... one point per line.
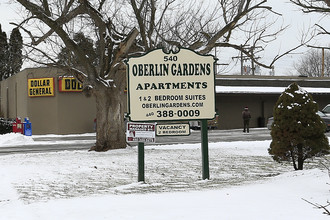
x=246, y=115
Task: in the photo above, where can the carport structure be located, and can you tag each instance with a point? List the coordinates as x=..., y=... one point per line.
x=260, y=94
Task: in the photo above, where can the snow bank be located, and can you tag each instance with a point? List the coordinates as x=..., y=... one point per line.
x=11, y=139
x=245, y=184
x=279, y=198
x=242, y=148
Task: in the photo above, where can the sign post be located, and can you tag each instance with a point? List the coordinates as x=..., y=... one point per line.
x=140, y=132
x=205, y=151
x=172, y=87
x=140, y=162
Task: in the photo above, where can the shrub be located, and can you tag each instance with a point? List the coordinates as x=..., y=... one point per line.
x=297, y=131
x=6, y=126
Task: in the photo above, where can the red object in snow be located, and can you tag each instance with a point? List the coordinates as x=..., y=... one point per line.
x=18, y=126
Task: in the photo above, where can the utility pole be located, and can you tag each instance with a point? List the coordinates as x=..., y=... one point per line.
x=322, y=62
x=243, y=58
x=242, y=62
x=323, y=57
x=216, y=61
x=252, y=60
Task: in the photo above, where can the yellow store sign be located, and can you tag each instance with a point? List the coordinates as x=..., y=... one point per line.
x=40, y=87
x=69, y=84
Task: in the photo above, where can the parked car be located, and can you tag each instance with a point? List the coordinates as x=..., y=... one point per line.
x=325, y=118
x=326, y=110
x=270, y=122
x=211, y=124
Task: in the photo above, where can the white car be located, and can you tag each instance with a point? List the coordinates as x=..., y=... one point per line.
x=326, y=110
x=325, y=118
x=270, y=122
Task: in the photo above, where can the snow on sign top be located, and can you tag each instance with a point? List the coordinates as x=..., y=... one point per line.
x=171, y=86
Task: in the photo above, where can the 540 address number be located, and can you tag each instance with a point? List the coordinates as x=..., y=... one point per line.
x=179, y=113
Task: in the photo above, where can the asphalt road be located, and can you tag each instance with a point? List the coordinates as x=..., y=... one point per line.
x=48, y=143
x=77, y=142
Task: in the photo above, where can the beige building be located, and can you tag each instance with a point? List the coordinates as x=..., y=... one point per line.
x=260, y=94
x=52, y=101
x=55, y=104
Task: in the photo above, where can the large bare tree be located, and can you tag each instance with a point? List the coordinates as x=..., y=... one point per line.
x=314, y=63
x=315, y=6
x=130, y=27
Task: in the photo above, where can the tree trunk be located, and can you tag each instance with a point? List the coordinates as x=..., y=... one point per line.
x=293, y=161
x=110, y=119
x=300, y=157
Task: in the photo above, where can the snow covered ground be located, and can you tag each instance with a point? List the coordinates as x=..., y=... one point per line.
x=245, y=184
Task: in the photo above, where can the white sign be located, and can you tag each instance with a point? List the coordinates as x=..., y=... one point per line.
x=172, y=129
x=174, y=86
x=140, y=132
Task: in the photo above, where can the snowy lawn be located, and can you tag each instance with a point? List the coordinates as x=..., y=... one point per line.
x=245, y=184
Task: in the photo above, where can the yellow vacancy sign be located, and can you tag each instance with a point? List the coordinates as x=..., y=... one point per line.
x=41, y=87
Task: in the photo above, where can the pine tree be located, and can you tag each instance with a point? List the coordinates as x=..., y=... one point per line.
x=85, y=43
x=15, y=52
x=3, y=54
x=298, y=131
x=11, y=58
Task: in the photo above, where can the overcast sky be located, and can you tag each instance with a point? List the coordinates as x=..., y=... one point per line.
x=292, y=16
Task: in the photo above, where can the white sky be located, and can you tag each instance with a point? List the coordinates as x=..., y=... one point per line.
x=291, y=15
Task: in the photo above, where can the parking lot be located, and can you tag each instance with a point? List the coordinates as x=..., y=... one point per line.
x=44, y=143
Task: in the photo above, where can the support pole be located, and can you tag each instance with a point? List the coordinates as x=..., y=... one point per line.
x=242, y=61
x=141, y=162
x=322, y=62
x=205, y=151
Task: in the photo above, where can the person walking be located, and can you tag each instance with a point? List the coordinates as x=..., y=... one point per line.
x=246, y=115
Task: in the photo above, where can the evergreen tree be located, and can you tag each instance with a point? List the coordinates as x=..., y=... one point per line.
x=298, y=131
x=15, y=52
x=66, y=57
x=3, y=54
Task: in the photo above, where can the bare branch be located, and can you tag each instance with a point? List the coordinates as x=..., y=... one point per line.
x=40, y=51
x=46, y=7
x=316, y=47
x=140, y=21
x=309, y=6
x=243, y=10
x=324, y=207
x=323, y=29
x=40, y=14
x=124, y=48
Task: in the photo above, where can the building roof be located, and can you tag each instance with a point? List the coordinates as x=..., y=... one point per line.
x=265, y=90
x=272, y=81
x=238, y=84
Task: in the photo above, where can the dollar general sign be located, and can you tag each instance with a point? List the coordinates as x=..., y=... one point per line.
x=40, y=87
x=69, y=84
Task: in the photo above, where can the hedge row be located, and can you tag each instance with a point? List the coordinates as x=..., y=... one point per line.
x=6, y=125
